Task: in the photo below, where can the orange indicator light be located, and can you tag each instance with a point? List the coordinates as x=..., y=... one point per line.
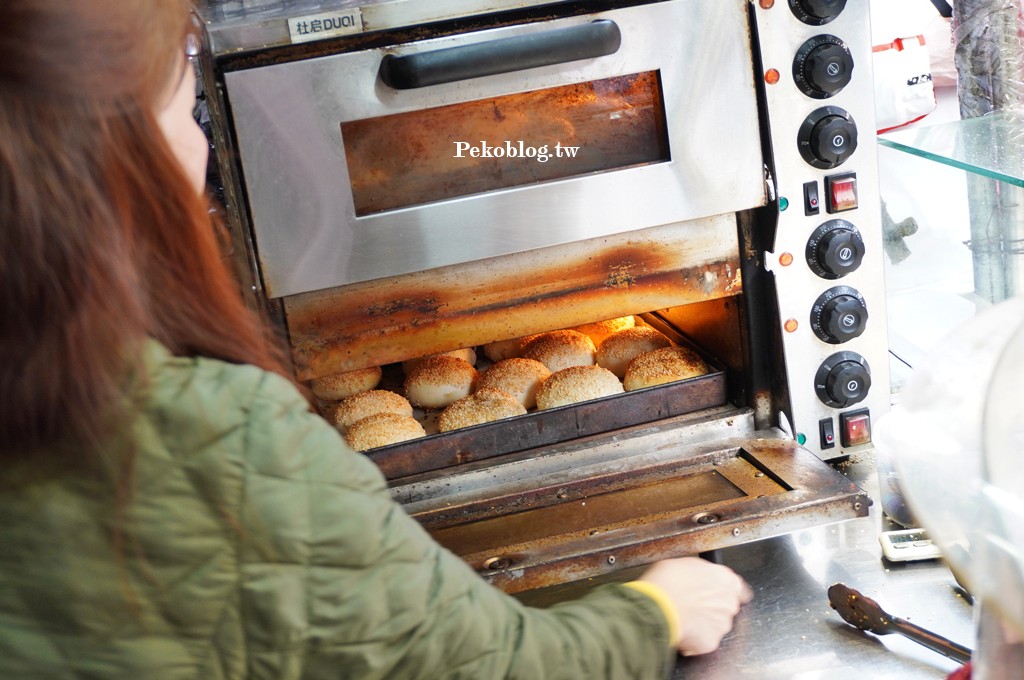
x=771, y=76
x=767, y=4
x=786, y=259
x=790, y=325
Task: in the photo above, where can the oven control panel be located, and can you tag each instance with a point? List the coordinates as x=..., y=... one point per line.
x=827, y=253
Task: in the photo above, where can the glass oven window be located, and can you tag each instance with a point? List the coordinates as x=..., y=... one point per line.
x=476, y=147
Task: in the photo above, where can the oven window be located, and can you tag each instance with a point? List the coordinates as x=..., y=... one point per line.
x=476, y=147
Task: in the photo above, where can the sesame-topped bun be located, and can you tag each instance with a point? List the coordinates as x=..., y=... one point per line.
x=661, y=366
x=437, y=381
x=599, y=330
x=382, y=429
x=364, y=404
x=517, y=377
x=467, y=354
x=506, y=349
x=340, y=385
x=620, y=348
x=575, y=384
x=483, y=406
x=561, y=349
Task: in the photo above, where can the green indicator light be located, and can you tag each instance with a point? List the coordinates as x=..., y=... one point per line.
x=801, y=438
x=783, y=204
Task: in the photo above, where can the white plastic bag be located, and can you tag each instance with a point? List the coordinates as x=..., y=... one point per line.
x=904, y=91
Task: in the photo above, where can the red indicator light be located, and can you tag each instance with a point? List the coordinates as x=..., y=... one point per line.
x=841, y=192
x=856, y=428
x=844, y=195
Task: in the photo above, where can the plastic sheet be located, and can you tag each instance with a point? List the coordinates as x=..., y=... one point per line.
x=958, y=438
x=989, y=55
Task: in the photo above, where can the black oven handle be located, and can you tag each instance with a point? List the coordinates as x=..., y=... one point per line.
x=504, y=55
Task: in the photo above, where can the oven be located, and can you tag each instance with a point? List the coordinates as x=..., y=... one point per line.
x=404, y=178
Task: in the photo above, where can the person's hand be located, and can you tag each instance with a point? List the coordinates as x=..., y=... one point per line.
x=706, y=596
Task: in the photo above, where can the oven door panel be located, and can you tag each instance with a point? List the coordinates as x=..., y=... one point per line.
x=288, y=122
x=392, y=319
x=680, y=487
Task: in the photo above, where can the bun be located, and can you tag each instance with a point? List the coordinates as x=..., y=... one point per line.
x=437, y=381
x=620, y=348
x=340, y=385
x=575, y=384
x=506, y=349
x=561, y=349
x=519, y=378
x=663, y=366
x=359, y=406
x=467, y=354
x=483, y=406
x=599, y=330
x=382, y=429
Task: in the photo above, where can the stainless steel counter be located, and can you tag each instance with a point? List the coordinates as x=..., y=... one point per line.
x=790, y=632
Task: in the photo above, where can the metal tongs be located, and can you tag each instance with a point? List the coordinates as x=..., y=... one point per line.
x=864, y=613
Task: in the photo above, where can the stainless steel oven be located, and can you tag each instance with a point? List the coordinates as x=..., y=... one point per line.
x=405, y=178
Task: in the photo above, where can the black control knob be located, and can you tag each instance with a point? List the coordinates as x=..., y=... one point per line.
x=839, y=315
x=843, y=380
x=827, y=137
x=835, y=249
x=823, y=66
x=816, y=12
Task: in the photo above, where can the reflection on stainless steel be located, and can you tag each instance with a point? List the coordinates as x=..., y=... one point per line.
x=789, y=632
x=864, y=613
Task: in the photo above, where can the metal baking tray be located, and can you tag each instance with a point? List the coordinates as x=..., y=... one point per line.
x=551, y=426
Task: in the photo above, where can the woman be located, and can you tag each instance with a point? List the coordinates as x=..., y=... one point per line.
x=169, y=506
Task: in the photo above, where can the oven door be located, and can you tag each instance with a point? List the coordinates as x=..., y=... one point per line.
x=351, y=179
x=585, y=508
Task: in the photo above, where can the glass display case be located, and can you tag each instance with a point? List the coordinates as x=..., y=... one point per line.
x=954, y=234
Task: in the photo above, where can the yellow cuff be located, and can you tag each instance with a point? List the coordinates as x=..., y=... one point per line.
x=658, y=594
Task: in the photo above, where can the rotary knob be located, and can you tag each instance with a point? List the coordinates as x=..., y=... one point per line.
x=823, y=66
x=835, y=249
x=842, y=380
x=839, y=315
x=827, y=137
x=816, y=12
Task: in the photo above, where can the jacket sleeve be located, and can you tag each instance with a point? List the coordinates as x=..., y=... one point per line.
x=338, y=582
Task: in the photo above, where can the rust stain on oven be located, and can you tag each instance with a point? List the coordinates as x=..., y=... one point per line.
x=418, y=306
x=388, y=320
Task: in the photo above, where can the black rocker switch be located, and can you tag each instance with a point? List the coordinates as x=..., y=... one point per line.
x=828, y=433
x=811, y=202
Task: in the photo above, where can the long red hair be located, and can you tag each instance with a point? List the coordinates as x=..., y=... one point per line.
x=103, y=240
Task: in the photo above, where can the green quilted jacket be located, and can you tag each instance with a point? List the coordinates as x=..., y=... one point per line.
x=257, y=545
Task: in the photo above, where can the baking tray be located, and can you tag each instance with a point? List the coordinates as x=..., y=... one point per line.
x=551, y=426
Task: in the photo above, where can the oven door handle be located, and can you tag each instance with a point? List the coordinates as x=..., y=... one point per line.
x=504, y=55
